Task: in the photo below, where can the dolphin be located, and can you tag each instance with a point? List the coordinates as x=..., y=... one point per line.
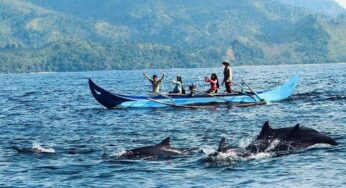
x=280, y=141
x=287, y=139
x=161, y=150
x=36, y=148
x=225, y=149
x=41, y=150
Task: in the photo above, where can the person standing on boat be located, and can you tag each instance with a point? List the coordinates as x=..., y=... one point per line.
x=227, y=76
x=179, y=89
x=155, y=83
x=214, y=83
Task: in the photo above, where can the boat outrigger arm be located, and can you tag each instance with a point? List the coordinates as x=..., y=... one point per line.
x=114, y=100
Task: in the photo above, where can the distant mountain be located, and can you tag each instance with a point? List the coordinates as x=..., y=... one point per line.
x=328, y=7
x=65, y=35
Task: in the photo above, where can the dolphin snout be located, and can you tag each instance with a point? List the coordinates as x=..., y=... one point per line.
x=333, y=142
x=329, y=140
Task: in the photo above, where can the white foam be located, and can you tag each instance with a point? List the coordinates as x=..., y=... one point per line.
x=272, y=145
x=234, y=155
x=207, y=150
x=261, y=155
x=118, y=154
x=37, y=147
x=230, y=155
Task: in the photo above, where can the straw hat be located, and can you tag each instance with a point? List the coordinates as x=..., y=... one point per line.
x=225, y=62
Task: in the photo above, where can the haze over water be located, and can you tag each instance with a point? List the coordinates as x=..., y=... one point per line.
x=57, y=110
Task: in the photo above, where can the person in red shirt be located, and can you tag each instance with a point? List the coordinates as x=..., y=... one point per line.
x=214, y=83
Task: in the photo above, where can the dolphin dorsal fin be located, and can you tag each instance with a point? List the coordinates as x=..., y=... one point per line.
x=265, y=129
x=222, y=144
x=294, y=130
x=165, y=142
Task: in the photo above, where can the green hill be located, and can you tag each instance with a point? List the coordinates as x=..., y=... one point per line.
x=64, y=35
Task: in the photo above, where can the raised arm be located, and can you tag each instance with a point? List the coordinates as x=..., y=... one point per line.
x=163, y=76
x=146, y=76
x=212, y=81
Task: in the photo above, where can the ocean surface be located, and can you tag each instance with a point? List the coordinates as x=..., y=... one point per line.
x=56, y=111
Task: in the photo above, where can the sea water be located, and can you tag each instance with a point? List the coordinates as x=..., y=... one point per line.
x=57, y=112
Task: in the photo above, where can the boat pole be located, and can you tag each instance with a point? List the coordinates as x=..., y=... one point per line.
x=241, y=87
x=262, y=100
x=175, y=105
x=166, y=96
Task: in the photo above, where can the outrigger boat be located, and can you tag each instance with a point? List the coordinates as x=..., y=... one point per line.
x=253, y=97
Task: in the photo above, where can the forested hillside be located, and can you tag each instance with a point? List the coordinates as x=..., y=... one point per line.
x=64, y=35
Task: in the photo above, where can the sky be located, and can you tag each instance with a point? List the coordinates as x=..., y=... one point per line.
x=342, y=3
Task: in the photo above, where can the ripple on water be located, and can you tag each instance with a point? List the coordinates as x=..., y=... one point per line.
x=42, y=108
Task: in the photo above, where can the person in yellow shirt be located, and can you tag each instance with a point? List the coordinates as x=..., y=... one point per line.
x=155, y=83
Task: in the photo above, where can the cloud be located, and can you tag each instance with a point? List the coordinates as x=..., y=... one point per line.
x=342, y=3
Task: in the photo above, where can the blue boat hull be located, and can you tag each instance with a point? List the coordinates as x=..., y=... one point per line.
x=114, y=100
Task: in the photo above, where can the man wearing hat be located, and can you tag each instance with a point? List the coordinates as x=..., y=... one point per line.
x=227, y=76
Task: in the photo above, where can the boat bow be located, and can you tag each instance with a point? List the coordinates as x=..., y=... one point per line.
x=107, y=99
